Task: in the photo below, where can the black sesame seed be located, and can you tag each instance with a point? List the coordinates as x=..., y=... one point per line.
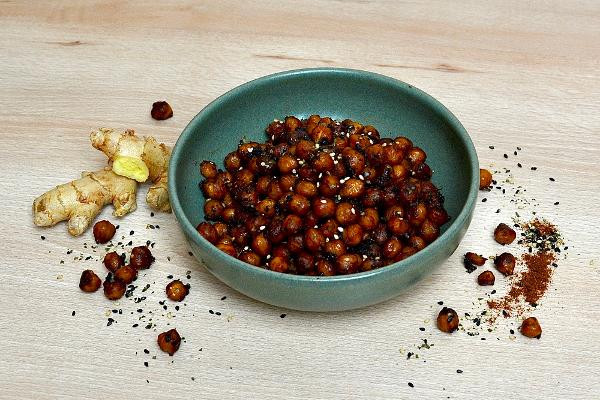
x=152, y=214
x=73, y=314
x=169, y=276
x=440, y=303
x=134, y=325
x=491, y=147
x=131, y=232
x=43, y=237
x=176, y=308
x=505, y=155
x=459, y=371
x=552, y=179
x=211, y=311
x=223, y=298
x=519, y=165
x=145, y=365
x=512, y=331
x=533, y=168
x=515, y=153
x=422, y=329
x=217, y=313
x=410, y=384
x=282, y=315
x=556, y=203
x=484, y=200
x=146, y=351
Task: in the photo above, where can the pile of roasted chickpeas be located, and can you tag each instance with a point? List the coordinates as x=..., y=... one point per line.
x=321, y=197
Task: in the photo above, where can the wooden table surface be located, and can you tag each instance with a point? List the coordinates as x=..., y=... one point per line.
x=515, y=73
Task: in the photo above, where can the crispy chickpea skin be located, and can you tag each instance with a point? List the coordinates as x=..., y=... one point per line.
x=505, y=263
x=141, y=257
x=103, y=231
x=169, y=341
x=176, y=290
x=504, y=234
x=126, y=274
x=114, y=289
x=531, y=328
x=113, y=260
x=89, y=281
x=486, y=278
x=447, y=320
x=485, y=178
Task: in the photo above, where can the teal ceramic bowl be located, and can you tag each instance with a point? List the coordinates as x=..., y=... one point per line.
x=393, y=107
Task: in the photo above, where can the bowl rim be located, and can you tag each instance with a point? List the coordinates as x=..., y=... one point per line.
x=455, y=224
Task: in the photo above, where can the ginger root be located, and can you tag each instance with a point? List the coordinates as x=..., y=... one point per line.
x=137, y=158
x=79, y=201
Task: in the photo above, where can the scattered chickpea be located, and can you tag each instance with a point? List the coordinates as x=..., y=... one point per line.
x=113, y=289
x=486, y=278
x=103, y=231
x=504, y=234
x=141, y=257
x=447, y=320
x=112, y=261
x=505, y=263
x=475, y=259
x=89, y=281
x=161, y=110
x=485, y=178
x=208, y=169
x=169, y=341
x=176, y=290
x=126, y=274
x=531, y=328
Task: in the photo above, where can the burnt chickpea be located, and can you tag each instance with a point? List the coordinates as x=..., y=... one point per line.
x=141, y=257
x=213, y=210
x=329, y=228
x=335, y=247
x=505, y=263
x=352, y=188
x=261, y=245
x=169, y=341
x=304, y=149
x=275, y=192
x=232, y=162
x=353, y=234
x=306, y=189
x=221, y=229
x=369, y=219
x=475, y=259
x=417, y=214
x=305, y=262
x=486, y=278
x=126, y=274
x=313, y=239
x=228, y=215
x=447, y=320
x=346, y=214
x=329, y=185
x=112, y=261
x=417, y=242
x=279, y=264
x=275, y=130
x=323, y=207
x=323, y=162
x=325, y=268
x=354, y=160
x=266, y=207
x=113, y=289
x=380, y=234
x=103, y=231
x=286, y=164
x=176, y=290
x=227, y=248
x=262, y=185
x=391, y=248
x=312, y=122
x=250, y=257
x=531, y=328
x=291, y=123
x=292, y=224
x=416, y=156
x=485, y=178
x=322, y=134
x=398, y=225
x=504, y=234
x=299, y=204
x=207, y=231
x=208, y=169
x=409, y=192
x=429, y=231
x=422, y=171
x=372, y=197
x=438, y=216
x=348, y=263
x=295, y=243
x=89, y=281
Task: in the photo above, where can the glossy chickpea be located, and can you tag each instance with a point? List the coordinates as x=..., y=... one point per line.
x=224, y=178
x=394, y=211
x=275, y=192
x=177, y=290
x=287, y=182
x=447, y=320
x=292, y=224
x=375, y=154
x=228, y=200
x=438, y=216
x=475, y=259
x=161, y=110
x=261, y=245
x=416, y=156
x=308, y=173
x=392, y=155
x=305, y=262
x=213, y=190
x=323, y=162
x=207, y=231
x=310, y=220
x=485, y=178
x=354, y=160
x=141, y=257
x=346, y=214
x=325, y=268
x=306, y=189
x=279, y=264
x=295, y=243
x=399, y=173
x=359, y=141
x=417, y=242
x=504, y=234
x=169, y=341
x=240, y=235
x=291, y=123
x=371, y=132
x=505, y=263
x=352, y=235
x=407, y=251
x=531, y=328
x=208, y=169
x=322, y=134
x=281, y=251
x=398, y=225
x=370, y=174
x=89, y=281
x=391, y=248
x=304, y=149
x=313, y=240
x=232, y=162
x=286, y=164
x=112, y=261
x=275, y=130
x=368, y=265
x=126, y=274
x=329, y=228
x=113, y=289
x=275, y=232
x=246, y=151
x=242, y=178
x=266, y=207
x=404, y=143
x=417, y=214
x=352, y=188
x=340, y=142
x=335, y=247
x=265, y=165
x=429, y=231
x=348, y=263
x=422, y=171
x=329, y=185
x=229, y=214
x=227, y=248
x=409, y=192
x=389, y=197
x=221, y=229
x=369, y=219
x=323, y=207
x=103, y=231
x=486, y=278
x=312, y=122
x=250, y=257
x=372, y=197
x=262, y=185
x=298, y=204
x=213, y=210
x=351, y=126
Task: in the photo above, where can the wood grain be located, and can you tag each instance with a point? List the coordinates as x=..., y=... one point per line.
x=515, y=73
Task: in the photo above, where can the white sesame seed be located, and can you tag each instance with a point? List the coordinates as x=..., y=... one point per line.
x=353, y=211
x=251, y=149
x=362, y=178
x=335, y=162
x=320, y=175
x=326, y=240
x=301, y=162
x=294, y=171
x=262, y=227
x=377, y=258
x=268, y=257
x=332, y=154
x=364, y=257
x=340, y=229
x=323, y=201
x=246, y=248
x=317, y=145
x=336, y=237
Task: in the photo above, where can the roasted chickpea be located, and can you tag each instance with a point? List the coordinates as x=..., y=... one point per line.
x=375, y=154
x=348, y=263
x=261, y=245
x=339, y=169
x=505, y=263
x=447, y=320
x=354, y=160
x=323, y=207
x=176, y=290
x=275, y=232
x=359, y=142
x=312, y=123
x=325, y=268
x=370, y=174
x=352, y=234
x=372, y=197
x=486, y=278
x=305, y=262
x=227, y=248
x=398, y=225
x=392, y=154
x=213, y=210
x=89, y=281
x=113, y=289
x=232, y=162
x=394, y=211
x=242, y=178
x=504, y=234
x=228, y=214
x=389, y=197
x=292, y=224
x=313, y=239
x=112, y=261
x=291, y=123
x=141, y=257
x=299, y=204
x=169, y=341
x=346, y=214
x=323, y=162
x=282, y=251
x=422, y=172
x=266, y=207
x=485, y=178
x=221, y=229
x=329, y=185
x=352, y=188
x=380, y=234
x=429, y=231
x=322, y=134
x=531, y=328
x=335, y=247
x=249, y=150
x=104, y=231
x=279, y=264
x=306, y=189
x=208, y=169
x=304, y=149
x=262, y=185
x=161, y=110
x=391, y=248
x=407, y=251
x=275, y=192
x=416, y=156
x=368, y=264
x=417, y=242
x=329, y=228
x=275, y=130
x=403, y=143
x=409, y=193
x=126, y=274
x=240, y=235
x=250, y=257
x=286, y=164
x=295, y=243
x=228, y=201
x=369, y=219
x=475, y=259
x=417, y=214
x=207, y=231
x=438, y=216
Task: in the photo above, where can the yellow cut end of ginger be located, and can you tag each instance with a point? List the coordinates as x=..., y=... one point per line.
x=131, y=167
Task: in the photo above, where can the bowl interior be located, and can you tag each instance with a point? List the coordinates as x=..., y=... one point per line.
x=393, y=107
